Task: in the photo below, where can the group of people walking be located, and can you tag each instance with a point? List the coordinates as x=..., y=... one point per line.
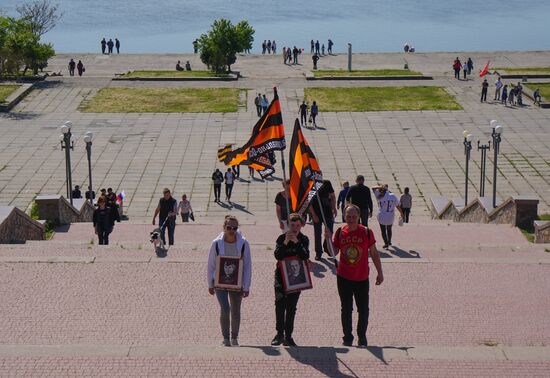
x=262, y=103
x=466, y=68
x=290, y=56
x=511, y=94
x=78, y=66
x=269, y=47
x=319, y=49
x=353, y=242
x=106, y=213
x=107, y=46
x=229, y=178
x=167, y=211
x=313, y=112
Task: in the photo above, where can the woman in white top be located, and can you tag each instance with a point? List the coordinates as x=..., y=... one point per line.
x=230, y=243
x=387, y=203
x=184, y=208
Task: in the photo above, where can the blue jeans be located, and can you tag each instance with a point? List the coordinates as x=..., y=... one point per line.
x=171, y=225
x=230, y=307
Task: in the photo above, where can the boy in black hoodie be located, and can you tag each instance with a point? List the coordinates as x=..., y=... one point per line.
x=291, y=243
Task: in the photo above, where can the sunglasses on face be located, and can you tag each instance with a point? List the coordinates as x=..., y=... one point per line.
x=231, y=228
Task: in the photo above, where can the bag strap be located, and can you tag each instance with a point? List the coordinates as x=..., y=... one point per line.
x=217, y=249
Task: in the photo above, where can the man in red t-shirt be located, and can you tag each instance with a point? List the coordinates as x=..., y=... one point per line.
x=355, y=241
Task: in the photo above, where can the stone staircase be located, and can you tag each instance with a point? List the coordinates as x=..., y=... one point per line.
x=57, y=209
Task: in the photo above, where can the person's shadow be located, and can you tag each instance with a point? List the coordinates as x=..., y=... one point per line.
x=240, y=207
x=318, y=270
x=404, y=254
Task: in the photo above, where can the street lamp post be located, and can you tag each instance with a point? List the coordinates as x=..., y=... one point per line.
x=484, y=148
x=497, y=131
x=467, y=148
x=88, y=139
x=67, y=144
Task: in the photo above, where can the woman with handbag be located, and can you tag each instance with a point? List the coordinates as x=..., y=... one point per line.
x=230, y=243
x=185, y=209
x=291, y=243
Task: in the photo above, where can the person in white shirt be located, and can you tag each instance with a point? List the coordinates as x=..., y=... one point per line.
x=184, y=208
x=229, y=180
x=498, y=86
x=387, y=203
x=465, y=69
x=230, y=243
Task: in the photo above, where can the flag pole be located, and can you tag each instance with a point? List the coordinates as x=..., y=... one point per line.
x=283, y=166
x=329, y=242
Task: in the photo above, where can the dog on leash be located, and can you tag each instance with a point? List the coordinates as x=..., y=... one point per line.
x=157, y=242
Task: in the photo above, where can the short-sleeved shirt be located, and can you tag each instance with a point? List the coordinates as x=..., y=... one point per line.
x=217, y=177
x=303, y=109
x=406, y=201
x=354, y=252
x=281, y=201
x=386, y=207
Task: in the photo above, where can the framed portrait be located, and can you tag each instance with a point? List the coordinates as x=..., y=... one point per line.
x=229, y=273
x=296, y=276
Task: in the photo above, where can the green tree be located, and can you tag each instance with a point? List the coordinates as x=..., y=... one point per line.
x=219, y=47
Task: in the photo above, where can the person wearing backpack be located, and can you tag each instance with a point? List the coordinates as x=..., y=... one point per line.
x=230, y=243
x=355, y=242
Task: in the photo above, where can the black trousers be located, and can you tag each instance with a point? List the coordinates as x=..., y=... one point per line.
x=484, y=94
x=406, y=213
x=318, y=231
x=348, y=291
x=386, y=233
x=303, y=118
x=103, y=234
x=228, y=190
x=365, y=217
x=217, y=191
x=259, y=110
x=285, y=312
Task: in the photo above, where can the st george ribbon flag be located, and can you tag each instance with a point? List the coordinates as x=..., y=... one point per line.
x=305, y=175
x=268, y=135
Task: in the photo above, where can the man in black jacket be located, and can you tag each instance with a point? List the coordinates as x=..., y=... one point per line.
x=167, y=211
x=291, y=243
x=359, y=195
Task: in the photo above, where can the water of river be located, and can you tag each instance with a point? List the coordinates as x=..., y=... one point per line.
x=162, y=26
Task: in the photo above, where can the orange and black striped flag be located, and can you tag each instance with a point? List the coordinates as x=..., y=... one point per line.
x=222, y=152
x=268, y=135
x=305, y=175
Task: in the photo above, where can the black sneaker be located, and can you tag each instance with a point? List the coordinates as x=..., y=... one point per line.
x=317, y=257
x=277, y=340
x=347, y=343
x=289, y=341
x=362, y=343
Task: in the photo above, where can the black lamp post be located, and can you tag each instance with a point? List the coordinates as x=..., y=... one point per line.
x=88, y=139
x=467, y=149
x=484, y=148
x=497, y=131
x=67, y=144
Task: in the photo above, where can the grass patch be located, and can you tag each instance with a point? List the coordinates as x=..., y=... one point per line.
x=163, y=100
x=49, y=226
x=525, y=70
x=544, y=217
x=530, y=236
x=544, y=89
x=174, y=73
x=385, y=72
x=6, y=90
x=364, y=99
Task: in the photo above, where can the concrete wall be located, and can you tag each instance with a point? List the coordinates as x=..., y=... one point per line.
x=17, y=227
x=57, y=209
x=542, y=231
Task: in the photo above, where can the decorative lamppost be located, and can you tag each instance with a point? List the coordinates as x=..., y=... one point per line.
x=88, y=139
x=484, y=148
x=497, y=131
x=67, y=144
x=467, y=148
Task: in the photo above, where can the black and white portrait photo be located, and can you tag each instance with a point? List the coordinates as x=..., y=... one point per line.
x=296, y=276
x=228, y=273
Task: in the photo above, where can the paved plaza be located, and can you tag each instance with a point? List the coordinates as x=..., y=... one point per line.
x=143, y=153
x=458, y=300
